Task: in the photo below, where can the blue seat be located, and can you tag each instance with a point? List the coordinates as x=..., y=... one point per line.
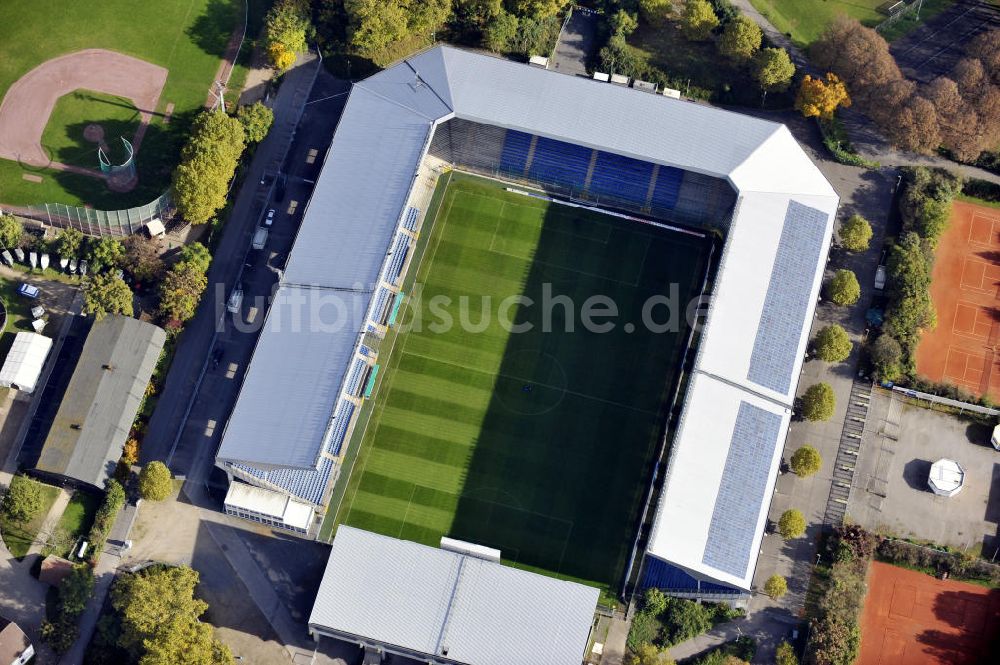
x=561, y=164
x=515, y=152
x=667, y=189
x=621, y=178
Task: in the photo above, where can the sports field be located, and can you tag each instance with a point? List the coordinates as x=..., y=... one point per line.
x=913, y=618
x=187, y=37
x=538, y=442
x=965, y=290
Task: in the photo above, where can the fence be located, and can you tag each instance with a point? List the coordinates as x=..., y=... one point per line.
x=102, y=222
x=897, y=10
x=953, y=403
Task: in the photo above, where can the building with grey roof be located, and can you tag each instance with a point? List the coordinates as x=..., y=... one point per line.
x=585, y=140
x=440, y=606
x=102, y=399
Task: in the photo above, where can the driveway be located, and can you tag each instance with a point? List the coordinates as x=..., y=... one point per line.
x=22, y=599
x=577, y=43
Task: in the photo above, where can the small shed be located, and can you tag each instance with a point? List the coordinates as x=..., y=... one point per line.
x=25, y=361
x=946, y=477
x=155, y=228
x=539, y=61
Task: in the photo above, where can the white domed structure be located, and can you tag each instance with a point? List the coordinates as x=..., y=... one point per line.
x=946, y=477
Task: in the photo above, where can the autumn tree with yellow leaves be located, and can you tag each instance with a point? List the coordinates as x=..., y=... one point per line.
x=820, y=98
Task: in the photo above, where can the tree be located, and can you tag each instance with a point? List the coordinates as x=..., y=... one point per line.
x=818, y=98
x=501, y=32
x=785, y=654
x=857, y=54
x=197, y=256
x=208, y=162
x=104, y=254
x=180, y=292
x=537, y=8
x=155, y=481
x=374, y=24
x=910, y=309
x=105, y=294
x=741, y=39
x=11, y=230
x=656, y=12
x=855, y=233
x=23, y=498
x=986, y=47
x=776, y=586
x=683, y=619
x=915, y=126
x=886, y=355
x=773, y=69
x=159, y=616
x=832, y=344
x=68, y=243
x=843, y=289
x=698, y=20
x=818, y=402
x=142, y=258
x=648, y=654
x=256, y=119
x=654, y=602
x=806, y=461
x=791, y=524
x=287, y=27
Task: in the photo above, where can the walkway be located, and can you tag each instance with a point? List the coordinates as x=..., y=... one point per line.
x=48, y=527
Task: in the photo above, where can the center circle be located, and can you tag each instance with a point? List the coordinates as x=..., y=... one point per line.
x=531, y=382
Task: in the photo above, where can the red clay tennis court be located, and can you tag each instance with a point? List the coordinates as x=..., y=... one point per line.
x=964, y=349
x=916, y=619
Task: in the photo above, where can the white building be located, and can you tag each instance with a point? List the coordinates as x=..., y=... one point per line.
x=24, y=362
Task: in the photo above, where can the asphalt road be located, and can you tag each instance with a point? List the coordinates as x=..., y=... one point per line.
x=165, y=440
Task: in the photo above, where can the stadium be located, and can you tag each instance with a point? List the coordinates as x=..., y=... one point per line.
x=576, y=453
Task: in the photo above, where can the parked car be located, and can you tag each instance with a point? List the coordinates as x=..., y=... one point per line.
x=880, y=276
x=28, y=291
x=235, y=299
x=260, y=238
x=37, y=312
x=270, y=217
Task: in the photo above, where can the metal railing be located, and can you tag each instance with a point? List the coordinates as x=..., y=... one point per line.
x=102, y=223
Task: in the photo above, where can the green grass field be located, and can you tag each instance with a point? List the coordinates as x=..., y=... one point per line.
x=64, y=135
x=805, y=20
x=188, y=37
x=18, y=536
x=75, y=522
x=538, y=443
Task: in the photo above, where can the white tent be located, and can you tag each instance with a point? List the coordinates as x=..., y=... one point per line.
x=24, y=362
x=946, y=478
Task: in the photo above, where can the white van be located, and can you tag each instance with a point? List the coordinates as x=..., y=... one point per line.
x=235, y=299
x=260, y=238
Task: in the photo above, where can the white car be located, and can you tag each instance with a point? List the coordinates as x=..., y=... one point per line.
x=270, y=217
x=235, y=299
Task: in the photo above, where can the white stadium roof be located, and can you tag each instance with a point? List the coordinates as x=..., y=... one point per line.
x=24, y=361
x=448, y=607
x=764, y=294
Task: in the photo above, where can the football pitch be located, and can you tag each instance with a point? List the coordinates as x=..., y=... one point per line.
x=515, y=426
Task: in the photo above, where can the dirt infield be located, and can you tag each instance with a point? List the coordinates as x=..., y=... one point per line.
x=28, y=103
x=964, y=349
x=913, y=618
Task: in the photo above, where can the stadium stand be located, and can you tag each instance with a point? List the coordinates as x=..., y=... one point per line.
x=561, y=164
x=622, y=179
x=410, y=221
x=394, y=269
x=355, y=378
x=667, y=188
x=514, y=158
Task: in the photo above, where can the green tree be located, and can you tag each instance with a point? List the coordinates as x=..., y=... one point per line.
x=623, y=23
x=648, y=654
x=887, y=358
x=197, y=256
x=181, y=290
x=832, y=344
x=654, y=602
x=684, y=619
x=818, y=402
x=741, y=39
x=536, y=8
x=142, y=258
x=105, y=294
x=785, y=654
x=104, y=254
x=501, y=32
x=23, y=498
x=256, y=119
x=374, y=24
x=855, y=234
x=843, y=289
x=806, y=461
x=287, y=27
x=698, y=20
x=208, y=162
x=910, y=310
x=791, y=524
x=68, y=243
x=776, y=586
x=75, y=589
x=155, y=482
x=656, y=12
x=773, y=69
x=10, y=231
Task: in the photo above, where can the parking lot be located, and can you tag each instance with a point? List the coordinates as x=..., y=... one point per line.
x=933, y=49
x=891, y=494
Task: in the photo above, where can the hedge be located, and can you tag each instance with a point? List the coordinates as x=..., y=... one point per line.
x=114, y=499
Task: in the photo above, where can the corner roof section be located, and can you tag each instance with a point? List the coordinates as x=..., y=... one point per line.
x=103, y=396
x=427, y=601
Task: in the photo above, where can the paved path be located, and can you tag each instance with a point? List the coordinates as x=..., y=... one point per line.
x=48, y=527
x=576, y=44
x=768, y=627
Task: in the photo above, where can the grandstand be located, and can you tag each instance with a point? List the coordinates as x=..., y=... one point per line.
x=590, y=142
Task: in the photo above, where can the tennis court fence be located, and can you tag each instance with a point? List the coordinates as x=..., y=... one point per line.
x=102, y=223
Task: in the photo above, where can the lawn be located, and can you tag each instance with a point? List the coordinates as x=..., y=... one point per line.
x=64, y=138
x=538, y=442
x=805, y=20
x=18, y=314
x=75, y=522
x=187, y=37
x=18, y=536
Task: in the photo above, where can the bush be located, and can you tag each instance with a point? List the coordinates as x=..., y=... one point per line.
x=73, y=593
x=843, y=289
x=776, y=586
x=818, y=402
x=741, y=39
x=981, y=189
x=855, y=234
x=792, y=524
x=698, y=20
x=887, y=358
x=785, y=654
x=154, y=482
x=806, y=461
x=114, y=499
x=645, y=629
x=684, y=619
x=23, y=498
x=832, y=344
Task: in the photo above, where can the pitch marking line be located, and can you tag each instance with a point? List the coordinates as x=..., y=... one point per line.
x=979, y=317
x=964, y=378
x=530, y=380
x=609, y=229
